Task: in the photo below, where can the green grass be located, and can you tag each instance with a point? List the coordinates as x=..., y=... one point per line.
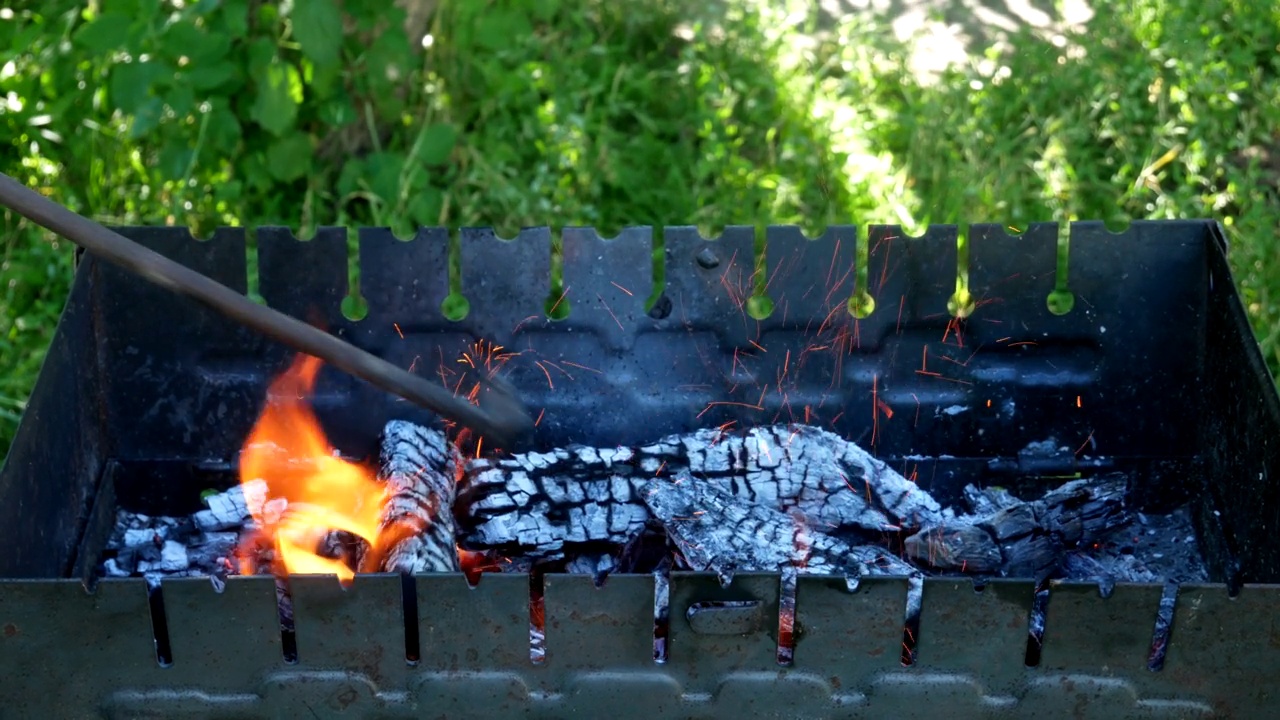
x=610, y=114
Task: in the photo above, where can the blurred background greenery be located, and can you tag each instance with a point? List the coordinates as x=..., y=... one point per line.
x=596, y=112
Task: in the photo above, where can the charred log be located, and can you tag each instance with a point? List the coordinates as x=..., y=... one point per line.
x=416, y=535
x=1011, y=537
x=714, y=530
x=535, y=504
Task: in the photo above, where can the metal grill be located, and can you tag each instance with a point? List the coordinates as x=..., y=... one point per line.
x=145, y=399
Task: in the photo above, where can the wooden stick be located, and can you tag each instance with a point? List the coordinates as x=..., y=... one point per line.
x=501, y=417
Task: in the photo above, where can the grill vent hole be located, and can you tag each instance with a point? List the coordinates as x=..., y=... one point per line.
x=455, y=307
x=537, y=618
x=1035, y=624
x=911, y=620
x=661, y=609
x=787, y=617
x=1163, y=628
x=354, y=307
x=159, y=624
x=288, y=636
x=557, y=304
x=409, y=597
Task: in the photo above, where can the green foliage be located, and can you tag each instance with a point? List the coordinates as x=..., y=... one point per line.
x=530, y=112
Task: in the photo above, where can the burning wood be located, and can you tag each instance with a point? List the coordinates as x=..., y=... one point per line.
x=416, y=533
x=536, y=504
x=778, y=498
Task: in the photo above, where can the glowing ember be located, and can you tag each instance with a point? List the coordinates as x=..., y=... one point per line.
x=310, y=491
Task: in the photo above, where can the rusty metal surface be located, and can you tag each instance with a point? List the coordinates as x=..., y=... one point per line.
x=227, y=660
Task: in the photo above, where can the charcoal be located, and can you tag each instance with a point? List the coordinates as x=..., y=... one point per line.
x=960, y=545
x=173, y=558
x=419, y=466
x=598, y=565
x=1022, y=539
x=112, y=568
x=717, y=531
x=536, y=503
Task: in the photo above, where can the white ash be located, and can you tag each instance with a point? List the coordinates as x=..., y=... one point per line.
x=201, y=544
x=536, y=504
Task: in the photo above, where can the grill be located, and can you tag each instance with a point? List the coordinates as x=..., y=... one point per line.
x=146, y=398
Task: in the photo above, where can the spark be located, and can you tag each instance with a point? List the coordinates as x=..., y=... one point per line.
x=398, y=332
x=917, y=422
x=479, y=444
x=1004, y=339
x=583, y=367
x=546, y=372
x=521, y=324
x=757, y=346
x=660, y=469
x=1077, y=401
x=557, y=367
x=901, y=302
x=1085, y=443
x=1023, y=342
x=541, y=412
x=622, y=288
x=714, y=403
x=563, y=294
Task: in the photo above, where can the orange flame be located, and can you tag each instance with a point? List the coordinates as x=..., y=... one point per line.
x=310, y=491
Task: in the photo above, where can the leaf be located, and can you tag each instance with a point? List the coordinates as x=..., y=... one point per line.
x=184, y=39
x=235, y=16
x=175, y=158
x=383, y=175
x=105, y=33
x=349, y=178
x=146, y=118
x=279, y=92
x=290, y=158
x=338, y=112
x=262, y=53
x=499, y=29
x=424, y=206
x=209, y=75
x=131, y=84
x=223, y=130
x=437, y=143
x=182, y=98
x=317, y=26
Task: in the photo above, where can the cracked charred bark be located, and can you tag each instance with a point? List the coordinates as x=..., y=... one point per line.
x=417, y=532
x=716, y=531
x=1012, y=537
x=536, y=504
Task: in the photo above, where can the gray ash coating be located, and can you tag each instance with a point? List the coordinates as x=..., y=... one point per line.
x=539, y=504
